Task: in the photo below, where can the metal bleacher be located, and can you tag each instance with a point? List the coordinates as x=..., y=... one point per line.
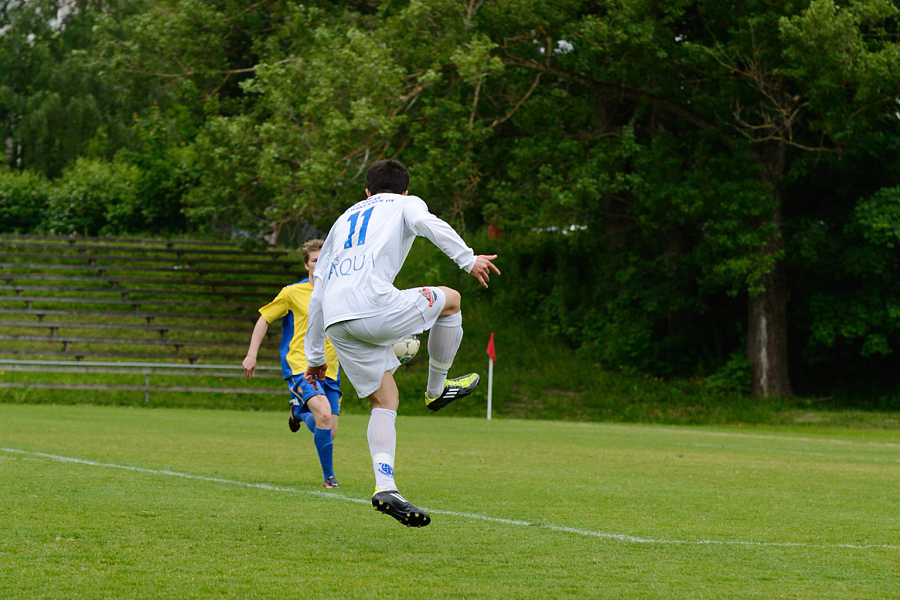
x=169, y=311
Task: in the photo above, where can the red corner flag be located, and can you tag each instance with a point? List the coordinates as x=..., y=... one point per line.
x=490, y=349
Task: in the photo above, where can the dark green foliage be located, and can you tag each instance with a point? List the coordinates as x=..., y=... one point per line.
x=646, y=166
x=23, y=201
x=168, y=171
x=858, y=316
x=54, y=105
x=94, y=197
x=843, y=256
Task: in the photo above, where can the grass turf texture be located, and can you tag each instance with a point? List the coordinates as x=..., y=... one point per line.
x=199, y=503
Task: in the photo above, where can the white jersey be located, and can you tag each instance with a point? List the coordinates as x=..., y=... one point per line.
x=362, y=254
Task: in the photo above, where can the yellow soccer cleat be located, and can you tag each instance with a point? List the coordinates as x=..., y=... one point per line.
x=453, y=389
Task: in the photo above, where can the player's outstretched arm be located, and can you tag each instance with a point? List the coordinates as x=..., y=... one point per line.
x=259, y=333
x=314, y=343
x=483, y=266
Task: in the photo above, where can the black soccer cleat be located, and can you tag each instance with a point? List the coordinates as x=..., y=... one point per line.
x=395, y=505
x=294, y=424
x=453, y=389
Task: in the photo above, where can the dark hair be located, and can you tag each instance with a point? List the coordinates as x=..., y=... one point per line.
x=387, y=176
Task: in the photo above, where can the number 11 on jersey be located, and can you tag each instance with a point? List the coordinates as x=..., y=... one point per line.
x=362, y=229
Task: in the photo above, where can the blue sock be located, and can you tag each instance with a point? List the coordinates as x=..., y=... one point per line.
x=307, y=417
x=310, y=421
x=325, y=447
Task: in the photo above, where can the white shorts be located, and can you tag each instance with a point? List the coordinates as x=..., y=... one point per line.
x=365, y=346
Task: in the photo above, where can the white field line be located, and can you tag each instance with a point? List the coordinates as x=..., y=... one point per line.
x=513, y=522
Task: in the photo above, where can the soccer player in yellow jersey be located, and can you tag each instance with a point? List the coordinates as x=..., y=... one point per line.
x=317, y=408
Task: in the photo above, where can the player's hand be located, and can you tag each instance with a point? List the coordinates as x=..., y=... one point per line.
x=249, y=365
x=483, y=267
x=314, y=374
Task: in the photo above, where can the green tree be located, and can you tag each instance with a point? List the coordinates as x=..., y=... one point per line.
x=756, y=84
x=659, y=173
x=23, y=200
x=334, y=94
x=53, y=107
x=94, y=197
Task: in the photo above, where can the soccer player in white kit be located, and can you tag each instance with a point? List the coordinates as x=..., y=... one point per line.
x=355, y=300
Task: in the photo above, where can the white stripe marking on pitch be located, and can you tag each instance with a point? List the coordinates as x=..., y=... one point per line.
x=559, y=528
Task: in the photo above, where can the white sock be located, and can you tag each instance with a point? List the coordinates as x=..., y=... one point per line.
x=443, y=342
x=382, y=436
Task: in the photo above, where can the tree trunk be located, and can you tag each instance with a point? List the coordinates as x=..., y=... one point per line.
x=767, y=341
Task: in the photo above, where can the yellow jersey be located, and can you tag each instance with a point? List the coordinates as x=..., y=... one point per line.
x=291, y=305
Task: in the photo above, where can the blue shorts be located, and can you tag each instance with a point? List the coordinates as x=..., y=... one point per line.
x=301, y=392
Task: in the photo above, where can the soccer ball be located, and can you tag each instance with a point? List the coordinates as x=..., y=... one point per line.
x=406, y=349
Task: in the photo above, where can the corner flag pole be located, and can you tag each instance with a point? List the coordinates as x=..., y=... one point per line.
x=492, y=354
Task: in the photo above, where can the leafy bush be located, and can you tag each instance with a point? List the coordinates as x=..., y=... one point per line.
x=168, y=171
x=95, y=197
x=23, y=201
x=735, y=377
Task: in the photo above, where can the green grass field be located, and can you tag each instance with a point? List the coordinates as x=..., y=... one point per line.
x=119, y=502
